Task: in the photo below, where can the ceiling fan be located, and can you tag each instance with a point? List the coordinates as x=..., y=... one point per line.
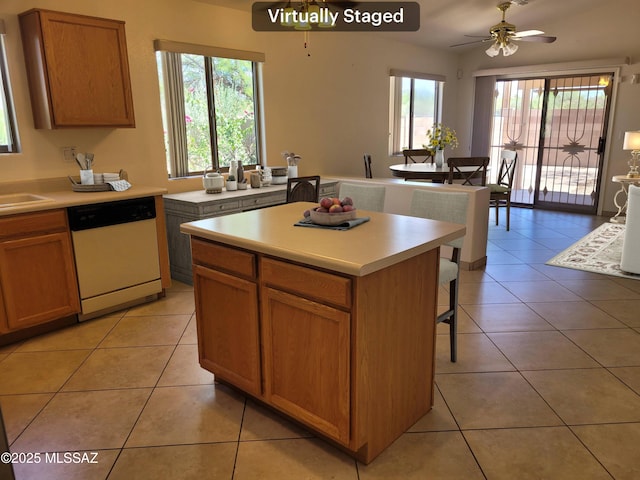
x=504, y=34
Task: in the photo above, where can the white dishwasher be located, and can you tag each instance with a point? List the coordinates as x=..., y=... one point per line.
x=116, y=252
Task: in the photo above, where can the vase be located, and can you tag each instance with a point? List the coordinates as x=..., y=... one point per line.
x=439, y=158
x=233, y=169
x=239, y=172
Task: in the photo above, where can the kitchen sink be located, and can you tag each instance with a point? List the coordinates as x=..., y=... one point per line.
x=19, y=199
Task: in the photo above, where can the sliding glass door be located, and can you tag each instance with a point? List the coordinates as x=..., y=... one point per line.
x=558, y=127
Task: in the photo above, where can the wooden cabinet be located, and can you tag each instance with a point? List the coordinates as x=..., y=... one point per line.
x=349, y=357
x=227, y=315
x=37, y=273
x=306, y=356
x=77, y=69
x=306, y=324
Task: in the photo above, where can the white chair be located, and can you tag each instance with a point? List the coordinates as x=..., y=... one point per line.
x=448, y=207
x=366, y=197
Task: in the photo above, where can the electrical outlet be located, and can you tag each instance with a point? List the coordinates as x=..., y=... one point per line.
x=69, y=154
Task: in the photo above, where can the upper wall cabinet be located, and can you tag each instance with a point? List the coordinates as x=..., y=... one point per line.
x=77, y=69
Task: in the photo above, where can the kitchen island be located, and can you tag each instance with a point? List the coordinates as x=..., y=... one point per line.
x=335, y=329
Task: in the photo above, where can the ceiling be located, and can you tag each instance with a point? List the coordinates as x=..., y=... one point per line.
x=589, y=23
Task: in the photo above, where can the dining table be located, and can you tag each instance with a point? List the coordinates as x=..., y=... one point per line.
x=427, y=171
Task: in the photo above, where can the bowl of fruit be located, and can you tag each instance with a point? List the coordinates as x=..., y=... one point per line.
x=332, y=211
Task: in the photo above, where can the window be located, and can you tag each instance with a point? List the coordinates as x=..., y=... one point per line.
x=8, y=132
x=416, y=104
x=210, y=107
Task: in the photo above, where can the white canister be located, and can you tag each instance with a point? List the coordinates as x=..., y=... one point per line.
x=232, y=185
x=213, y=182
x=86, y=177
x=292, y=171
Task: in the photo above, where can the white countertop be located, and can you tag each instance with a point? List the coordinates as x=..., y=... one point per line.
x=200, y=196
x=385, y=240
x=63, y=198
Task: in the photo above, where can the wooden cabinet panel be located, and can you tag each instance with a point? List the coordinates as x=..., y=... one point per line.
x=306, y=361
x=38, y=279
x=77, y=69
x=4, y=327
x=26, y=224
x=228, y=328
x=322, y=286
x=223, y=258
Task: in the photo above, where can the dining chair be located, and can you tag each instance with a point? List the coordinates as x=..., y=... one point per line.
x=303, y=189
x=448, y=207
x=476, y=175
x=367, y=166
x=417, y=156
x=366, y=197
x=500, y=192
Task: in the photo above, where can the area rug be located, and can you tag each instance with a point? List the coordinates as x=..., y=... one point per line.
x=598, y=252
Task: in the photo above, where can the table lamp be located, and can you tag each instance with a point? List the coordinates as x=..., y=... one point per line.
x=632, y=142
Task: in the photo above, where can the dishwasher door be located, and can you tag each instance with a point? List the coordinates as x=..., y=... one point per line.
x=116, y=264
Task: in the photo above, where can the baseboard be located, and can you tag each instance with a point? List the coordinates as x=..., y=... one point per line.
x=475, y=265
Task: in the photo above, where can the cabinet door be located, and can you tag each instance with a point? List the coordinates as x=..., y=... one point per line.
x=4, y=327
x=228, y=331
x=38, y=280
x=306, y=361
x=77, y=69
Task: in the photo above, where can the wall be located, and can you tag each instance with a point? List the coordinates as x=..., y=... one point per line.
x=330, y=107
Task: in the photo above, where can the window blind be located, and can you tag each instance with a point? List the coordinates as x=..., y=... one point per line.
x=207, y=51
x=423, y=76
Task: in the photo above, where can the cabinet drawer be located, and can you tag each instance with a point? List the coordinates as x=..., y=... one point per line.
x=262, y=201
x=216, y=208
x=223, y=258
x=328, y=191
x=29, y=223
x=308, y=282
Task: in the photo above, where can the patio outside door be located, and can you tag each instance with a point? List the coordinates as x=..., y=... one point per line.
x=558, y=127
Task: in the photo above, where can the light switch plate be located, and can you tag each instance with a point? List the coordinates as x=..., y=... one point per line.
x=69, y=154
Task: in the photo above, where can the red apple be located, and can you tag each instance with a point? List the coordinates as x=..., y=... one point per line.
x=347, y=208
x=347, y=201
x=326, y=202
x=335, y=209
x=336, y=201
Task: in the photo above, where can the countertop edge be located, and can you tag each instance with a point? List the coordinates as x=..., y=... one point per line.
x=309, y=258
x=69, y=198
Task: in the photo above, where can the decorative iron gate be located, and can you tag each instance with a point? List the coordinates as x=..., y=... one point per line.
x=558, y=126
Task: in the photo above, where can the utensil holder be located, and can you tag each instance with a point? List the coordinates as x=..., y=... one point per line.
x=86, y=177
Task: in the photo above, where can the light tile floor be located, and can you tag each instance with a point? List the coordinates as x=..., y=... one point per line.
x=547, y=386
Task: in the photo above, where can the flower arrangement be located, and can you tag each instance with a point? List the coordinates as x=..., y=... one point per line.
x=440, y=137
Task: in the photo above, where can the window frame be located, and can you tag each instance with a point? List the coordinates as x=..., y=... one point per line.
x=177, y=153
x=13, y=143
x=395, y=111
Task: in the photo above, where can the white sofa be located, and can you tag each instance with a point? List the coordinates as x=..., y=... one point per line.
x=398, y=200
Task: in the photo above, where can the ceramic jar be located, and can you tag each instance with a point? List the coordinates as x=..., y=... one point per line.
x=213, y=182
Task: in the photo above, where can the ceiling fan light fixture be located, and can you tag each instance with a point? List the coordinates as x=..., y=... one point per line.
x=493, y=50
x=314, y=9
x=288, y=16
x=509, y=48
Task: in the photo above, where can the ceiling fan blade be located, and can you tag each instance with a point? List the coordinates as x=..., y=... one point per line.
x=536, y=38
x=528, y=33
x=485, y=39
